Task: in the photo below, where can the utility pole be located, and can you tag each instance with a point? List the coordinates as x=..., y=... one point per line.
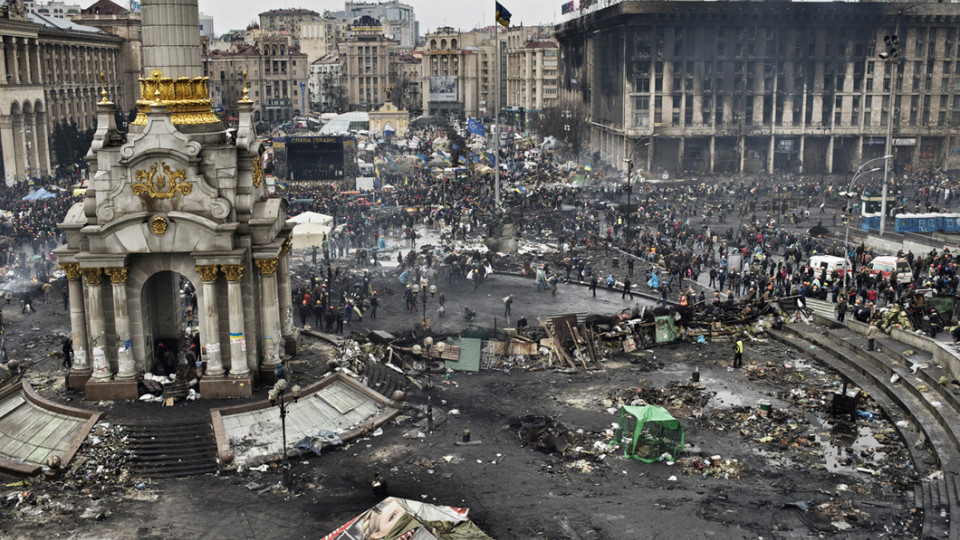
x=892, y=57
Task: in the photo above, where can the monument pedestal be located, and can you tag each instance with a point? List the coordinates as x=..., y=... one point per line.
x=266, y=375
x=226, y=387
x=111, y=390
x=291, y=343
x=76, y=380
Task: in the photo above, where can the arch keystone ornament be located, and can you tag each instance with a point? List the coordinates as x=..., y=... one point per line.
x=159, y=225
x=158, y=184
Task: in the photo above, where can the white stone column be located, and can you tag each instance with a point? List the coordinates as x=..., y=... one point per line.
x=210, y=321
x=286, y=293
x=30, y=134
x=78, y=319
x=3, y=60
x=43, y=152
x=8, y=140
x=269, y=313
x=238, y=344
x=98, y=332
x=15, y=52
x=36, y=59
x=126, y=369
x=171, y=38
x=27, y=76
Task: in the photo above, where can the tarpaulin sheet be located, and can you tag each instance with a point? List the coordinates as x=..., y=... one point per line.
x=405, y=519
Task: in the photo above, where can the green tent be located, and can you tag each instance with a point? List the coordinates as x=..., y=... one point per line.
x=646, y=433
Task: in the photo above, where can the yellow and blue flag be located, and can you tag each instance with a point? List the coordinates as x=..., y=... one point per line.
x=588, y=167
x=503, y=16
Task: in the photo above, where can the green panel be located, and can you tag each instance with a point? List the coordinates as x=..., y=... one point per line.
x=469, y=356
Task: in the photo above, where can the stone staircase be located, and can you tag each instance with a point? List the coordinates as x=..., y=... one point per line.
x=938, y=498
x=164, y=450
x=822, y=308
x=933, y=410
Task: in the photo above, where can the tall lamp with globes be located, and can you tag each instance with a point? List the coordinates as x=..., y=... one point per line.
x=277, y=396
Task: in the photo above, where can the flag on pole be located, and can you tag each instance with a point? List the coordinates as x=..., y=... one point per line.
x=588, y=167
x=474, y=127
x=503, y=16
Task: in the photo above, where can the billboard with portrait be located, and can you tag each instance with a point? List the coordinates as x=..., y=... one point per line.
x=443, y=88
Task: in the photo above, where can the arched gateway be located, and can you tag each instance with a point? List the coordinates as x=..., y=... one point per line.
x=176, y=197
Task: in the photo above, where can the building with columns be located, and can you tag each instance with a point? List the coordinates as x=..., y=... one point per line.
x=176, y=199
x=49, y=72
x=277, y=74
x=368, y=65
x=459, y=73
x=751, y=87
x=72, y=57
x=23, y=112
x=118, y=21
x=531, y=66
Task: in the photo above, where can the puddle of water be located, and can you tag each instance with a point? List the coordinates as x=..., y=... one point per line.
x=726, y=398
x=856, y=437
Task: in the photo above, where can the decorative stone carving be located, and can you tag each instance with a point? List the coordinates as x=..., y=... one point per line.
x=118, y=274
x=91, y=275
x=257, y=172
x=71, y=269
x=159, y=225
x=286, y=246
x=163, y=185
x=233, y=272
x=208, y=272
x=267, y=266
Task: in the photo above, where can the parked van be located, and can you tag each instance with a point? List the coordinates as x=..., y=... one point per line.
x=886, y=265
x=828, y=262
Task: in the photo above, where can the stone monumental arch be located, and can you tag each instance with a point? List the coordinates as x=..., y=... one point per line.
x=176, y=197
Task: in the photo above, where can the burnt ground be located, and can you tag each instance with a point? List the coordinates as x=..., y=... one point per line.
x=795, y=475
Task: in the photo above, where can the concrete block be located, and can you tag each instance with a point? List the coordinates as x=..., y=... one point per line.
x=110, y=390
x=76, y=380
x=226, y=387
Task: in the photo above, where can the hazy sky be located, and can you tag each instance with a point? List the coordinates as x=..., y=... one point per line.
x=462, y=14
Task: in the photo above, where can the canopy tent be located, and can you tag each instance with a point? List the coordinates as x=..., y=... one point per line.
x=312, y=217
x=396, y=518
x=646, y=433
x=307, y=235
x=39, y=195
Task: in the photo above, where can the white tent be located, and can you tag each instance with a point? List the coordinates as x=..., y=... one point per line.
x=312, y=217
x=307, y=235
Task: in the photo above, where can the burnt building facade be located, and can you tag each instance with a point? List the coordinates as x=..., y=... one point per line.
x=764, y=87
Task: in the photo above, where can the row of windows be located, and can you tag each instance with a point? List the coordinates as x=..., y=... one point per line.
x=841, y=111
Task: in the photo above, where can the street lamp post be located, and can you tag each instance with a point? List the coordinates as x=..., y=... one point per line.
x=891, y=56
x=849, y=194
x=277, y=397
x=422, y=289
